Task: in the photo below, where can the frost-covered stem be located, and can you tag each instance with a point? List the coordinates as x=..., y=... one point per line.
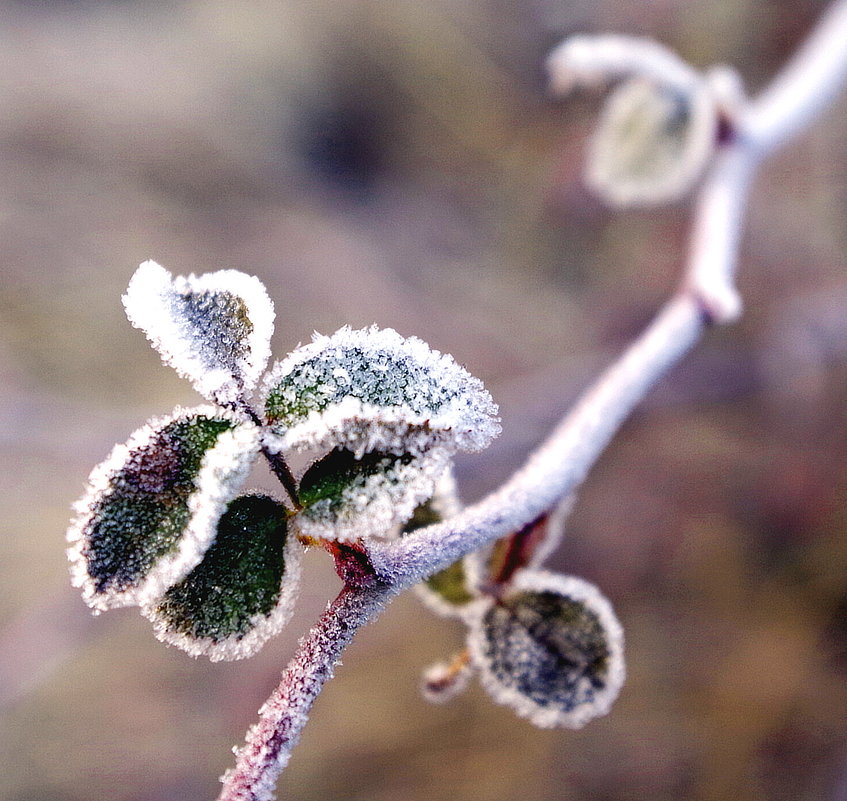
x=706, y=295
x=804, y=87
x=277, y=462
x=282, y=717
x=562, y=462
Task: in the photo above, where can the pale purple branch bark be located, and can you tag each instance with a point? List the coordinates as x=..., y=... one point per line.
x=706, y=295
x=269, y=742
x=808, y=83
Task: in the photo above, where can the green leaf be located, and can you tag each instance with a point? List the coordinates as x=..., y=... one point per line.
x=551, y=649
x=652, y=142
x=345, y=497
x=243, y=591
x=213, y=329
x=373, y=390
x=151, y=508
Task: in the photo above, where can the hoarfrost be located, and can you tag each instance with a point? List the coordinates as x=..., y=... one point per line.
x=448, y=591
x=242, y=592
x=551, y=649
x=372, y=390
x=151, y=508
x=213, y=329
x=593, y=61
x=346, y=497
x=443, y=681
x=652, y=142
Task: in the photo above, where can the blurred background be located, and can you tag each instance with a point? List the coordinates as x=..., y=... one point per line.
x=400, y=162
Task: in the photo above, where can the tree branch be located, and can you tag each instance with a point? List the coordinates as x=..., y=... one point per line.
x=706, y=295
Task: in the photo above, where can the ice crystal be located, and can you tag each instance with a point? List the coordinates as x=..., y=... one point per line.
x=213, y=329
x=550, y=648
x=243, y=591
x=151, y=507
x=345, y=497
x=372, y=390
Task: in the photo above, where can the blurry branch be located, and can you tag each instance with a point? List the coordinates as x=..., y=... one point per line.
x=706, y=296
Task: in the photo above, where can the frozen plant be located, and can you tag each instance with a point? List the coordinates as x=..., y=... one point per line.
x=162, y=524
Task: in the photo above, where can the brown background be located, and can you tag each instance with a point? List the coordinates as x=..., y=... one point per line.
x=399, y=162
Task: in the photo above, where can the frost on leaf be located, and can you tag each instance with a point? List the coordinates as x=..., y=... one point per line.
x=551, y=649
x=151, y=508
x=595, y=60
x=213, y=329
x=243, y=591
x=373, y=390
x=652, y=142
x=345, y=497
x=449, y=590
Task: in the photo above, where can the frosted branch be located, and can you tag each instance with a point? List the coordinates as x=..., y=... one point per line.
x=706, y=295
x=282, y=717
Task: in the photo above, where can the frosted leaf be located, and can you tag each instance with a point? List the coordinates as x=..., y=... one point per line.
x=443, y=681
x=345, y=497
x=652, y=143
x=213, y=329
x=151, y=507
x=446, y=592
x=242, y=593
x=373, y=390
x=551, y=649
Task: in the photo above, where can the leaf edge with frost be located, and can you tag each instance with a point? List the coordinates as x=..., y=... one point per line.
x=262, y=627
x=145, y=302
x=215, y=487
x=470, y=424
x=582, y=591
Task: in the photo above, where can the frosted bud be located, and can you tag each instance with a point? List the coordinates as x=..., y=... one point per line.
x=242, y=592
x=213, y=329
x=652, y=142
x=443, y=681
x=550, y=648
x=151, y=508
x=373, y=390
x=345, y=497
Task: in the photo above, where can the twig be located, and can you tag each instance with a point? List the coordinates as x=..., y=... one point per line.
x=706, y=295
x=269, y=742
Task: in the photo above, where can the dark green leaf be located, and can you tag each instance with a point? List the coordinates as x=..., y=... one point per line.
x=242, y=592
x=152, y=506
x=552, y=649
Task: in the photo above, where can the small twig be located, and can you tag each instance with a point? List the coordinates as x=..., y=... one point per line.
x=276, y=461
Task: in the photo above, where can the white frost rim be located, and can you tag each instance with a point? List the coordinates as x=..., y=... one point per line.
x=223, y=469
x=700, y=140
x=545, y=717
x=263, y=627
x=467, y=422
x=377, y=508
x=147, y=307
